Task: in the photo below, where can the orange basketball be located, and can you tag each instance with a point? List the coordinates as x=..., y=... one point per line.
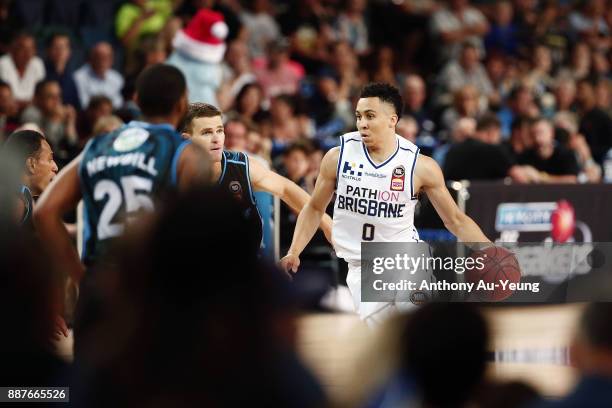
x=500, y=266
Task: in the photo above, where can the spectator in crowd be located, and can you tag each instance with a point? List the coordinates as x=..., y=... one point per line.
x=455, y=23
x=554, y=163
x=237, y=72
x=550, y=30
x=8, y=111
x=482, y=157
x=595, y=124
x=332, y=114
x=344, y=65
x=21, y=68
x=466, y=70
x=464, y=128
x=539, y=78
x=57, y=67
x=99, y=106
x=588, y=23
x=258, y=146
x=277, y=74
x=600, y=69
x=248, y=104
x=198, y=51
x=565, y=95
x=308, y=25
x=574, y=141
x=408, y=128
x=314, y=166
x=503, y=36
x=258, y=20
x=591, y=353
x=384, y=66
x=466, y=102
x=603, y=97
x=520, y=103
x=139, y=18
x=97, y=77
x=580, y=63
x=285, y=125
x=414, y=93
x=107, y=124
x=236, y=135
x=521, y=138
x=56, y=120
x=499, y=71
x=351, y=26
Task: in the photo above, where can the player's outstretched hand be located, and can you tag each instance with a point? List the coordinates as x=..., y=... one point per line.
x=290, y=263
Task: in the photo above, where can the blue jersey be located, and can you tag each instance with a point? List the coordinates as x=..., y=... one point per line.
x=123, y=173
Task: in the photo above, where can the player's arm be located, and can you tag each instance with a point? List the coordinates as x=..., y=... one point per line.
x=194, y=167
x=313, y=211
x=62, y=195
x=285, y=189
x=429, y=178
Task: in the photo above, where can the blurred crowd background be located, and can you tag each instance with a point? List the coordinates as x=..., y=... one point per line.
x=492, y=89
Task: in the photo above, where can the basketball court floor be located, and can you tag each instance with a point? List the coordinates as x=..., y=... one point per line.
x=529, y=343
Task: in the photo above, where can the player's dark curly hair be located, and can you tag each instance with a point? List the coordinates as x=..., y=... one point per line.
x=386, y=93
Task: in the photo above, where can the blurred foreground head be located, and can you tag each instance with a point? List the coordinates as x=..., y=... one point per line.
x=444, y=347
x=195, y=318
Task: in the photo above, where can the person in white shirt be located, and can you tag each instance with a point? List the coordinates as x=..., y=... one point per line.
x=21, y=68
x=98, y=78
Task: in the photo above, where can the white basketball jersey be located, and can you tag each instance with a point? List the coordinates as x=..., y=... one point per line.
x=374, y=202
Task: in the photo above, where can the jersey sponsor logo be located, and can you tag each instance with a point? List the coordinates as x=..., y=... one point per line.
x=397, y=179
x=371, y=202
x=352, y=171
x=130, y=139
x=236, y=189
x=375, y=175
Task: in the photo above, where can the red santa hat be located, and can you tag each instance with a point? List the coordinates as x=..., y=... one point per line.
x=203, y=38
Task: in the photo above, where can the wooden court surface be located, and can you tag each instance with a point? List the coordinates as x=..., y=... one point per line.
x=342, y=351
x=348, y=357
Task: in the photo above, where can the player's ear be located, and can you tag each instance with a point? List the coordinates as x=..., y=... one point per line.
x=393, y=121
x=186, y=135
x=30, y=165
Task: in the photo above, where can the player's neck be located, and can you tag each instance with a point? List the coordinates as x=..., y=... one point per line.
x=216, y=171
x=381, y=151
x=158, y=120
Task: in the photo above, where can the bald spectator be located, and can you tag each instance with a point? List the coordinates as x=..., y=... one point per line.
x=465, y=105
x=98, y=78
x=21, y=68
x=466, y=70
x=555, y=163
x=415, y=95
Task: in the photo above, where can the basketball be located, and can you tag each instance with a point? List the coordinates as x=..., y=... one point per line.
x=500, y=272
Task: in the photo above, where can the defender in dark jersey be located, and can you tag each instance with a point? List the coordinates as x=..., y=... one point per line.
x=122, y=173
x=33, y=152
x=237, y=173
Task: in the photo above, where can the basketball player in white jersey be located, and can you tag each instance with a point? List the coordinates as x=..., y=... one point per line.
x=377, y=176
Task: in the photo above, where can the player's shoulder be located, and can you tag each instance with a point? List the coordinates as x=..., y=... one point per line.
x=233, y=156
x=350, y=137
x=406, y=145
